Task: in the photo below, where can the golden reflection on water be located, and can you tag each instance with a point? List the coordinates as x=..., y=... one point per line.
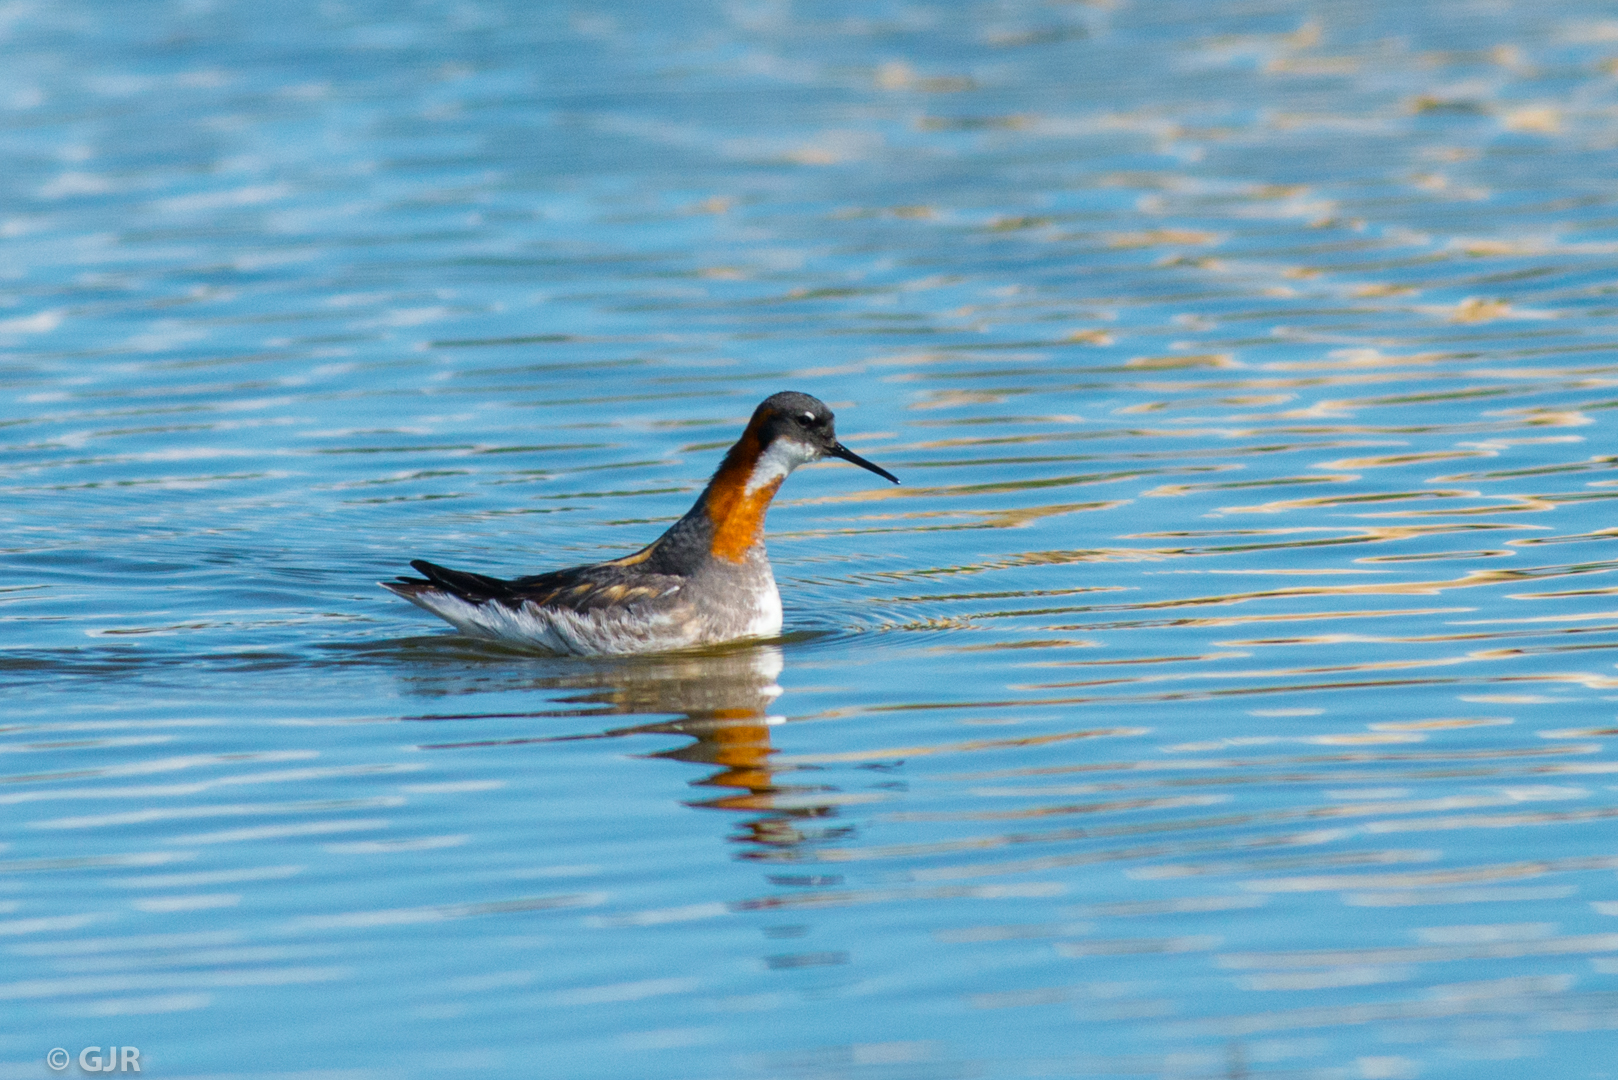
x=721, y=701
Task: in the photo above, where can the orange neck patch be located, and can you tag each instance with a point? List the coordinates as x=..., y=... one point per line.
x=736, y=513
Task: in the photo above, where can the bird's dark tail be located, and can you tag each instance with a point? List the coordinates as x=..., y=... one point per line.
x=473, y=588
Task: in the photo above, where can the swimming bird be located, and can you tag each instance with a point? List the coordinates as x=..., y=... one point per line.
x=704, y=582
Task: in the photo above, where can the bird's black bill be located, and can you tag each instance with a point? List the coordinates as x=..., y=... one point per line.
x=838, y=450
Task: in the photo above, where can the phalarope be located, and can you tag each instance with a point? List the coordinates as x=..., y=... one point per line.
x=703, y=582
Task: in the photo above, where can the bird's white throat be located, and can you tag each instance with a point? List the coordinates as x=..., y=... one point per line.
x=778, y=460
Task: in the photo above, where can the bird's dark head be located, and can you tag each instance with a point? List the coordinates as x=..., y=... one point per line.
x=787, y=430
x=794, y=428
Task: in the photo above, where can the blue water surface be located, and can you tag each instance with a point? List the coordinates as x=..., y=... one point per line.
x=1227, y=692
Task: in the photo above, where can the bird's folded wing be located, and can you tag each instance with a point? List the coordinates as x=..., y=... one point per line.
x=580, y=589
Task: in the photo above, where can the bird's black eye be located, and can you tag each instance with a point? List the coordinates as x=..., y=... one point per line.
x=809, y=417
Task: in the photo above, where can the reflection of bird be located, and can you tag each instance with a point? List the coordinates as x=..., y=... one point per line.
x=721, y=699
x=704, y=581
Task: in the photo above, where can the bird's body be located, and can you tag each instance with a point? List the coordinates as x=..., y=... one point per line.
x=703, y=582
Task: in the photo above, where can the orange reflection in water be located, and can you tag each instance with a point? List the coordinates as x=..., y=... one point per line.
x=721, y=701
